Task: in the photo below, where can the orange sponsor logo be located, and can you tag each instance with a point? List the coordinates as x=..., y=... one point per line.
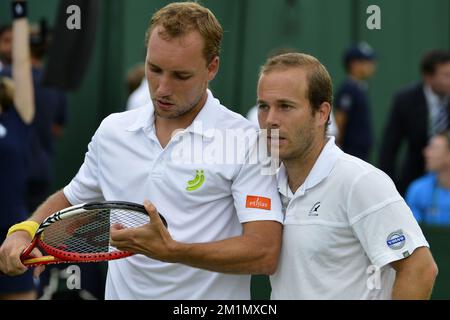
x=258, y=202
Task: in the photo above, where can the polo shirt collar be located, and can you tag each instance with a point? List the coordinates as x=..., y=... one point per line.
x=205, y=122
x=202, y=124
x=320, y=171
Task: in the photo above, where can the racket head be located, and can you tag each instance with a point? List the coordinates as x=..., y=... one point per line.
x=82, y=233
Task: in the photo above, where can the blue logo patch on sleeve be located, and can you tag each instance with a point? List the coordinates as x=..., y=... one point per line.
x=396, y=240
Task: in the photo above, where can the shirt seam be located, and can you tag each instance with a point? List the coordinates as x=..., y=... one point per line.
x=375, y=208
x=341, y=225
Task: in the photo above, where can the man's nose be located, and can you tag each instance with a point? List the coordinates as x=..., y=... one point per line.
x=164, y=87
x=272, y=119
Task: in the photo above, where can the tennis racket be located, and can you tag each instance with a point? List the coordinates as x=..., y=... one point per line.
x=82, y=233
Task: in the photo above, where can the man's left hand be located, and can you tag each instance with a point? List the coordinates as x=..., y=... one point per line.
x=152, y=240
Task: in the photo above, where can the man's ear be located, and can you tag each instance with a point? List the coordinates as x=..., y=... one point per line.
x=324, y=113
x=213, y=68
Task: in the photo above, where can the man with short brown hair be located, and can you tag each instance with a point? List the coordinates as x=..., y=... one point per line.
x=223, y=225
x=345, y=222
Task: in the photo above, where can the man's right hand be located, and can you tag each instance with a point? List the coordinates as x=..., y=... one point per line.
x=10, y=251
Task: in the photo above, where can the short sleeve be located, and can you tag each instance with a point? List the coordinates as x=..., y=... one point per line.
x=255, y=191
x=381, y=220
x=85, y=186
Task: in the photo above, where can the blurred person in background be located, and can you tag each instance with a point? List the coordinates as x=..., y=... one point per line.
x=5, y=46
x=137, y=84
x=429, y=196
x=16, y=114
x=134, y=77
x=418, y=112
x=48, y=124
x=352, y=105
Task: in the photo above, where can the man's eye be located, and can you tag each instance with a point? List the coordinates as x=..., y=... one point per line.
x=182, y=77
x=263, y=107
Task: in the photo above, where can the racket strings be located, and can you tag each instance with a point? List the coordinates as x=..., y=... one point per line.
x=89, y=232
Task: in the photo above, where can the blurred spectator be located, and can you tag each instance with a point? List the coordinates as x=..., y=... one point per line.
x=429, y=196
x=134, y=78
x=252, y=115
x=140, y=95
x=51, y=117
x=352, y=106
x=48, y=125
x=5, y=46
x=418, y=112
x=16, y=114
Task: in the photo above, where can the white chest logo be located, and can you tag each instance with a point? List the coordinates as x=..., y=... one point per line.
x=314, y=212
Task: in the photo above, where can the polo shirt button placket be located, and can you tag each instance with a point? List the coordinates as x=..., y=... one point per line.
x=158, y=167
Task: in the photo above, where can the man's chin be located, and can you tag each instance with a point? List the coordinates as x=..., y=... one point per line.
x=280, y=153
x=166, y=115
x=166, y=112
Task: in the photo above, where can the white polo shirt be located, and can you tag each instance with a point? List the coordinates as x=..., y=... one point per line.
x=342, y=228
x=126, y=162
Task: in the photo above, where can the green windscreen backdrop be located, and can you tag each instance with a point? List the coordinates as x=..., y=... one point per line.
x=253, y=28
x=439, y=240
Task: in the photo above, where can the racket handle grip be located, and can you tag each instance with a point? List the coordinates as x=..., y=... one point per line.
x=34, y=262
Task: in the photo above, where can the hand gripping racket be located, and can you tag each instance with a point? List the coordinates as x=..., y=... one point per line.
x=82, y=233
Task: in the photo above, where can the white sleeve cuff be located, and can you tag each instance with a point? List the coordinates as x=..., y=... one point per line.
x=388, y=257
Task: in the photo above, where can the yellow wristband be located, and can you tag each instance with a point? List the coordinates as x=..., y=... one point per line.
x=28, y=226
